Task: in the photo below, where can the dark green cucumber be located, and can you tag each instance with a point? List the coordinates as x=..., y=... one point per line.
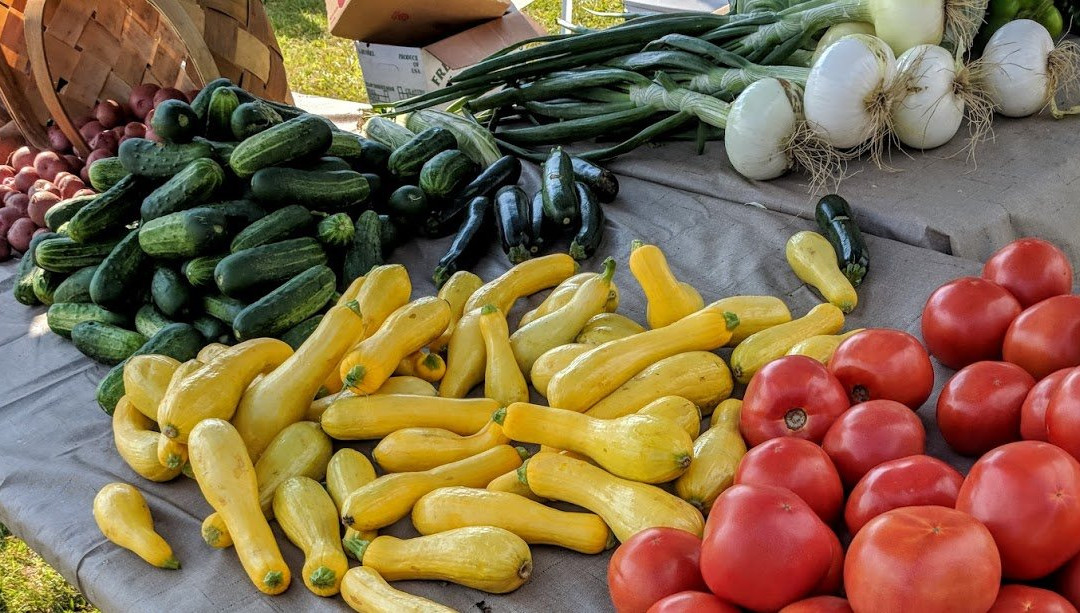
x=603, y=183
x=408, y=202
x=199, y=271
x=106, y=343
x=296, y=300
x=110, y=211
x=328, y=162
x=201, y=103
x=190, y=187
x=63, y=316
x=160, y=161
x=375, y=183
x=407, y=160
x=536, y=223
x=299, y=333
x=149, y=320
x=289, y=222
x=505, y=171
x=62, y=254
x=222, y=308
x=443, y=175
x=251, y=118
x=76, y=288
x=362, y=153
x=320, y=190
x=239, y=214
x=184, y=234
x=180, y=342
x=45, y=284
x=591, y=233
x=512, y=222
x=365, y=252
x=175, y=121
x=106, y=172
x=557, y=187
x=469, y=243
x=336, y=231
x=117, y=280
x=303, y=137
x=24, y=274
x=220, y=151
x=62, y=212
x=213, y=329
x=260, y=268
x=389, y=234
x=219, y=114
x=837, y=222
x=171, y=293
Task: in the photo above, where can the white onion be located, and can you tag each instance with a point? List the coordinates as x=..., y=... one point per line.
x=904, y=24
x=1016, y=68
x=932, y=105
x=759, y=127
x=837, y=32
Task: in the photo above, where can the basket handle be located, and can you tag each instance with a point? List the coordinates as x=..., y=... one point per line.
x=205, y=67
x=18, y=107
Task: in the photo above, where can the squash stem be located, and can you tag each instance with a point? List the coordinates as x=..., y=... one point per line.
x=273, y=579
x=522, y=473
x=172, y=563
x=323, y=577
x=731, y=319
x=609, y=269
x=499, y=416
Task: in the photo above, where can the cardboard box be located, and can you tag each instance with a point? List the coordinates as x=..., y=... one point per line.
x=396, y=72
x=407, y=22
x=675, y=6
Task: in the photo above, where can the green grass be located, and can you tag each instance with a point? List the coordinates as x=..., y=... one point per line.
x=29, y=585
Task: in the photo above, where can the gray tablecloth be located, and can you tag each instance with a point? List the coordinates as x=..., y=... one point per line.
x=56, y=448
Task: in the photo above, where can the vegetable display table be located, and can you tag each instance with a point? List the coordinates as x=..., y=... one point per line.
x=56, y=446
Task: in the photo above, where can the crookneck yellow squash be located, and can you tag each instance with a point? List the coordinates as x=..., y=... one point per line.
x=215, y=533
x=456, y=292
x=358, y=418
x=422, y=365
x=772, y=343
x=510, y=483
x=349, y=470
x=813, y=260
x=396, y=385
x=677, y=410
x=171, y=452
x=137, y=443
x=717, y=453
x=367, y=592
x=146, y=377
x=416, y=449
x=124, y=518
x=607, y=327
x=668, y=300
x=309, y=519
x=821, y=347
x=552, y=362
x=755, y=313
x=503, y=379
x=701, y=377
x=563, y=293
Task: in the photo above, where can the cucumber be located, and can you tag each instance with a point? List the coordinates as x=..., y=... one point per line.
x=190, y=187
x=365, y=252
x=45, y=284
x=201, y=103
x=304, y=137
x=110, y=211
x=387, y=132
x=171, y=293
x=603, y=183
x=289, y=222
x=257, y=269
x=105, y=173
x=149, y=320
x=469, y=243
x=199, y=271
x=591, y=233
x=335, y=231
x=837, y=223
x=328, y=162
x=184, y=234
x=505, y=171
x=106, y=343
x=322, y=190
x=146, y=158
x=219, y=114
x=239, y=214
x=115, y=283
x=222, y=308
x=250, y=118
x=389, y=234
x=24, y=274
x=360, y=152
x=180, y=342
x=63, y=211
x=374, y=181
x=408, y=202
x=512, y=222
x=220, y=150
x=63, y=316
x=443, y=175
x=296, y=335
x=536, y=223
x=407, y=160
x=296, y=300
x=62, y=254
x=557, y=187
x=175, y=121
x=213, y=330
x=76, y=288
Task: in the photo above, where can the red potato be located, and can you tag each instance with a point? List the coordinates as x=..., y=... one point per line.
x=10, y=195
x=5, y=190
x=40, y=231
x=109, y=114
x=40, y=203
x=60, y=176
x=23, y=157
x=48, y=164
x=135, y=130
x=69, y=185
x=20, y=233
x=58, y=141
x=168, y=93
x=107, y=140
x=82, y=121
x=6, y=171
x=5, y=249
x=90, y=131
x=25, y=178
x=8, y=216
x=141, y=99
x=73, y=162
x=43, y=185
x=20, y=202
x=96, y=155
x=8, y=182
x=86, y=191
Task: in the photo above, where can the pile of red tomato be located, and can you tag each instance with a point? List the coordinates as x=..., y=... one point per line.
x=924, y=538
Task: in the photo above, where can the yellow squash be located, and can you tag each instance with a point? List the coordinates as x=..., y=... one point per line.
x=352, y=291
x=422, y=365
x=627, y=507
x=813, y=260
x=701, y=377
x=717, y=453
x=124, y=518
x=597, y=373
x=349, y=470
x=724, y=410
x=394, y=385
x=448, y=508
x=390, y=497
x=554, y=360
x=678, y=410
x=385, y=290
x=171, y=452
x=456, y=292
x=638, y=447
x=503, y=380
x=755, y=313
x=485, y=558
x=215, y=533
x=137, y=443
x=367, y=592
x=146, y=377
x=510, y=483
x=359, y=418
x=608, y=327
x=283, y=396
x=668, y=300
x=416, y=449
x=408, y=329
x=226, y=478
x=765, y=346
x=563, y=293
x=821, y=347
x=562, y=325
x=309, y=519
x=211, y=351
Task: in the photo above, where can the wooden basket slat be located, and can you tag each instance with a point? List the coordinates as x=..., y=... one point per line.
x=253, y=55
x=70, y=19
x=112, y=16
x=96, y=36
x=237, y=9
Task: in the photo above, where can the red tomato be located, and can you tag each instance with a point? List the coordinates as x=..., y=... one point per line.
x=764, y=548
x=1033, y=412
x=1062, y=419
x=833, y=580
x=880, y=363
x=1067, y=581
x=928, y=559
x=965, y=320
x=1028, y=495
x=871, y=433
x=652, y=564
x=799, y=466
x=1045, y=337
x=979, y=408
x=692, y=602
x=907, y=482
x=819, y=604
x=1026, y=599
x=1031, y=269
x=792, y=396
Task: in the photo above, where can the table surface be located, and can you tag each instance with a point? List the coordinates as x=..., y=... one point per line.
x=56, y=446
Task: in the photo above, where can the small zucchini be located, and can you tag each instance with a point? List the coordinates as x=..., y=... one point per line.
x=813, y=260
x=837, y=223
x=469, y=243
x=536, y=223
x=557, y=186
x=512, y=221
x=443, y=222
x=591, y=233
x=124, y=518
x=601, y=181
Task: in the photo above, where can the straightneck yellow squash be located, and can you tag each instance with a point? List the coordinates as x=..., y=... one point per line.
x=146, y=377
x=397, y=385
x=352, y=290
x=677, y=410
x=717, y=453
x=349, y=470
x=309, y=519
x=137, y=443
x=554, y=360
x=370, y=417
x=503, y=379
x=755, y=313
x=608, y=327
x=124, y=518
x=772, y=343
x=417, y=449
x=821, y=347
x=813, y=259
x=701, y=377
x=367, y=592
x=456, y=292
x=668, y=299
x=385, y=289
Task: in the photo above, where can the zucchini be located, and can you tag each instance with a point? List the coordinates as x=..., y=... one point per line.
x=591, y=233
x=110, y=211
x=239, y=214
x=116, y=282
x=171, y=293
x=304, y=137
x=201, y=103
x=296, y=300
x=289, y=222
x=557, y=187
x=365, y=252
x=146, y=158
x=536, y=223
x=505, y=171
x=63, y=211
x=222, y=308
x=199, y=271
x=250, y=118
x=184, y=234
x=603, y=183
x=24, y=274
x=512, y=222
x=469, y=244
x=336, y=231
x=190, y=187
x=223, y=103
x=149, y=321
x=175, y=121
x=105, y=173
x=837, y=222
x=180, y=342
x=444, y=174
x=387, y=132
x=296, y=335
x=45, y=284
x=407, y=160
x=62, y=317
x=76, y=288
x=257, y=269
x=213, y=329
x=106, y=343
x=408, y=202
x=321, y=190
x=62, y=254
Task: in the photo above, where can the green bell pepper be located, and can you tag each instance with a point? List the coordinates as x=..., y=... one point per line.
x=1001, y=12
